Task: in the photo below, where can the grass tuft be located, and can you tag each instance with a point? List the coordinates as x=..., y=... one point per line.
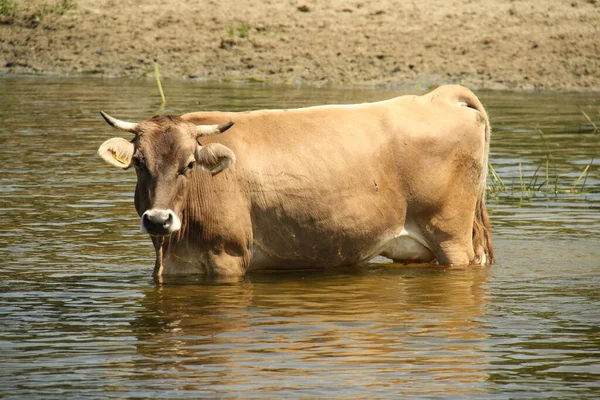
x=545, y=181
x=238, y=31
x=8, y=9
x=32, y=15
x=61, y=7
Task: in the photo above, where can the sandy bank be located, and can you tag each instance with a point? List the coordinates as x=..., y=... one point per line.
x=483, y=44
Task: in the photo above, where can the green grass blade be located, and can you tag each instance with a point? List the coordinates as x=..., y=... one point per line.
x=588, y=118
x=534, y=178
x=584, y=173
x=547, y=170
x=539, y=188
x=543, y=137
x=160, y=88
x=496, y=177
x=521, y=178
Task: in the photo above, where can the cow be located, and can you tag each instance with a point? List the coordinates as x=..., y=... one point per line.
x=224, y=193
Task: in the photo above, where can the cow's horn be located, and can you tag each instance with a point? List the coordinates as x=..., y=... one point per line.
x=209, y=130
x=122, y=125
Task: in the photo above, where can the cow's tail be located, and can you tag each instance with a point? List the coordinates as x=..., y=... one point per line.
x=482, y=237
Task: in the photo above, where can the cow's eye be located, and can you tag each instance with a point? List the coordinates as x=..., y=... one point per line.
x=188, y=168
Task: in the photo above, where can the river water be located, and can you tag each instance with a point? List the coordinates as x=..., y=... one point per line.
x=80, y=315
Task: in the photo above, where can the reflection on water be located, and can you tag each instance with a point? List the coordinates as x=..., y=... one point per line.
x=81, y=316
x=355, y=332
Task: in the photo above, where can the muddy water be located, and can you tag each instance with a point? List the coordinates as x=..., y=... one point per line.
x=81, y=317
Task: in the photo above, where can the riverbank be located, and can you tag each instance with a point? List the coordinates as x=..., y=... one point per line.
x=486, y=44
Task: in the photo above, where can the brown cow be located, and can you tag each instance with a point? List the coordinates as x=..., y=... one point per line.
x=320, y=186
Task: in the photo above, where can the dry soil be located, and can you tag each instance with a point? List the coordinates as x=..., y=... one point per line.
x=483, y=44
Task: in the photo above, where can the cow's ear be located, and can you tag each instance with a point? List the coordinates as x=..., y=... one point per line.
x=117, y=151
x=214, y=157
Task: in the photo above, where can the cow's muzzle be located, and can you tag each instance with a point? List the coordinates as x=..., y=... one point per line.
x=159, y=222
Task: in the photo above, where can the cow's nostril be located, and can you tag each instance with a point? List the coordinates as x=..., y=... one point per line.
x=148, y=220
x=168, y=221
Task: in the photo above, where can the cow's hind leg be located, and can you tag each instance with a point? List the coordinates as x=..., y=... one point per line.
x=454, y=252
x=450, y=235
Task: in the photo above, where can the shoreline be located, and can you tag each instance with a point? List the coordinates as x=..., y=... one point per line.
x=414, y=86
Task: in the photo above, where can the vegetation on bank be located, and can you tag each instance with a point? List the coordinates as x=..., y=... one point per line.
x=8, y=9
x=32, y=15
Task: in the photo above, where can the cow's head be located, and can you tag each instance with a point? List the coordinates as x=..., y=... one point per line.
x=165, y=151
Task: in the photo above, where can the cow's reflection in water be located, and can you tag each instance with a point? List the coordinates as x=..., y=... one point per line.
x=372, y=324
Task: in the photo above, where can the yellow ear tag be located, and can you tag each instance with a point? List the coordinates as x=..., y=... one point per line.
x=116, y=157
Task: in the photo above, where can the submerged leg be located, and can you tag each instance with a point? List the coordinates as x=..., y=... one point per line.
x=450, y=234
x=158, y=248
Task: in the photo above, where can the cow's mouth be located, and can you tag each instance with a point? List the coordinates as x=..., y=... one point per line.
x=160, y=222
